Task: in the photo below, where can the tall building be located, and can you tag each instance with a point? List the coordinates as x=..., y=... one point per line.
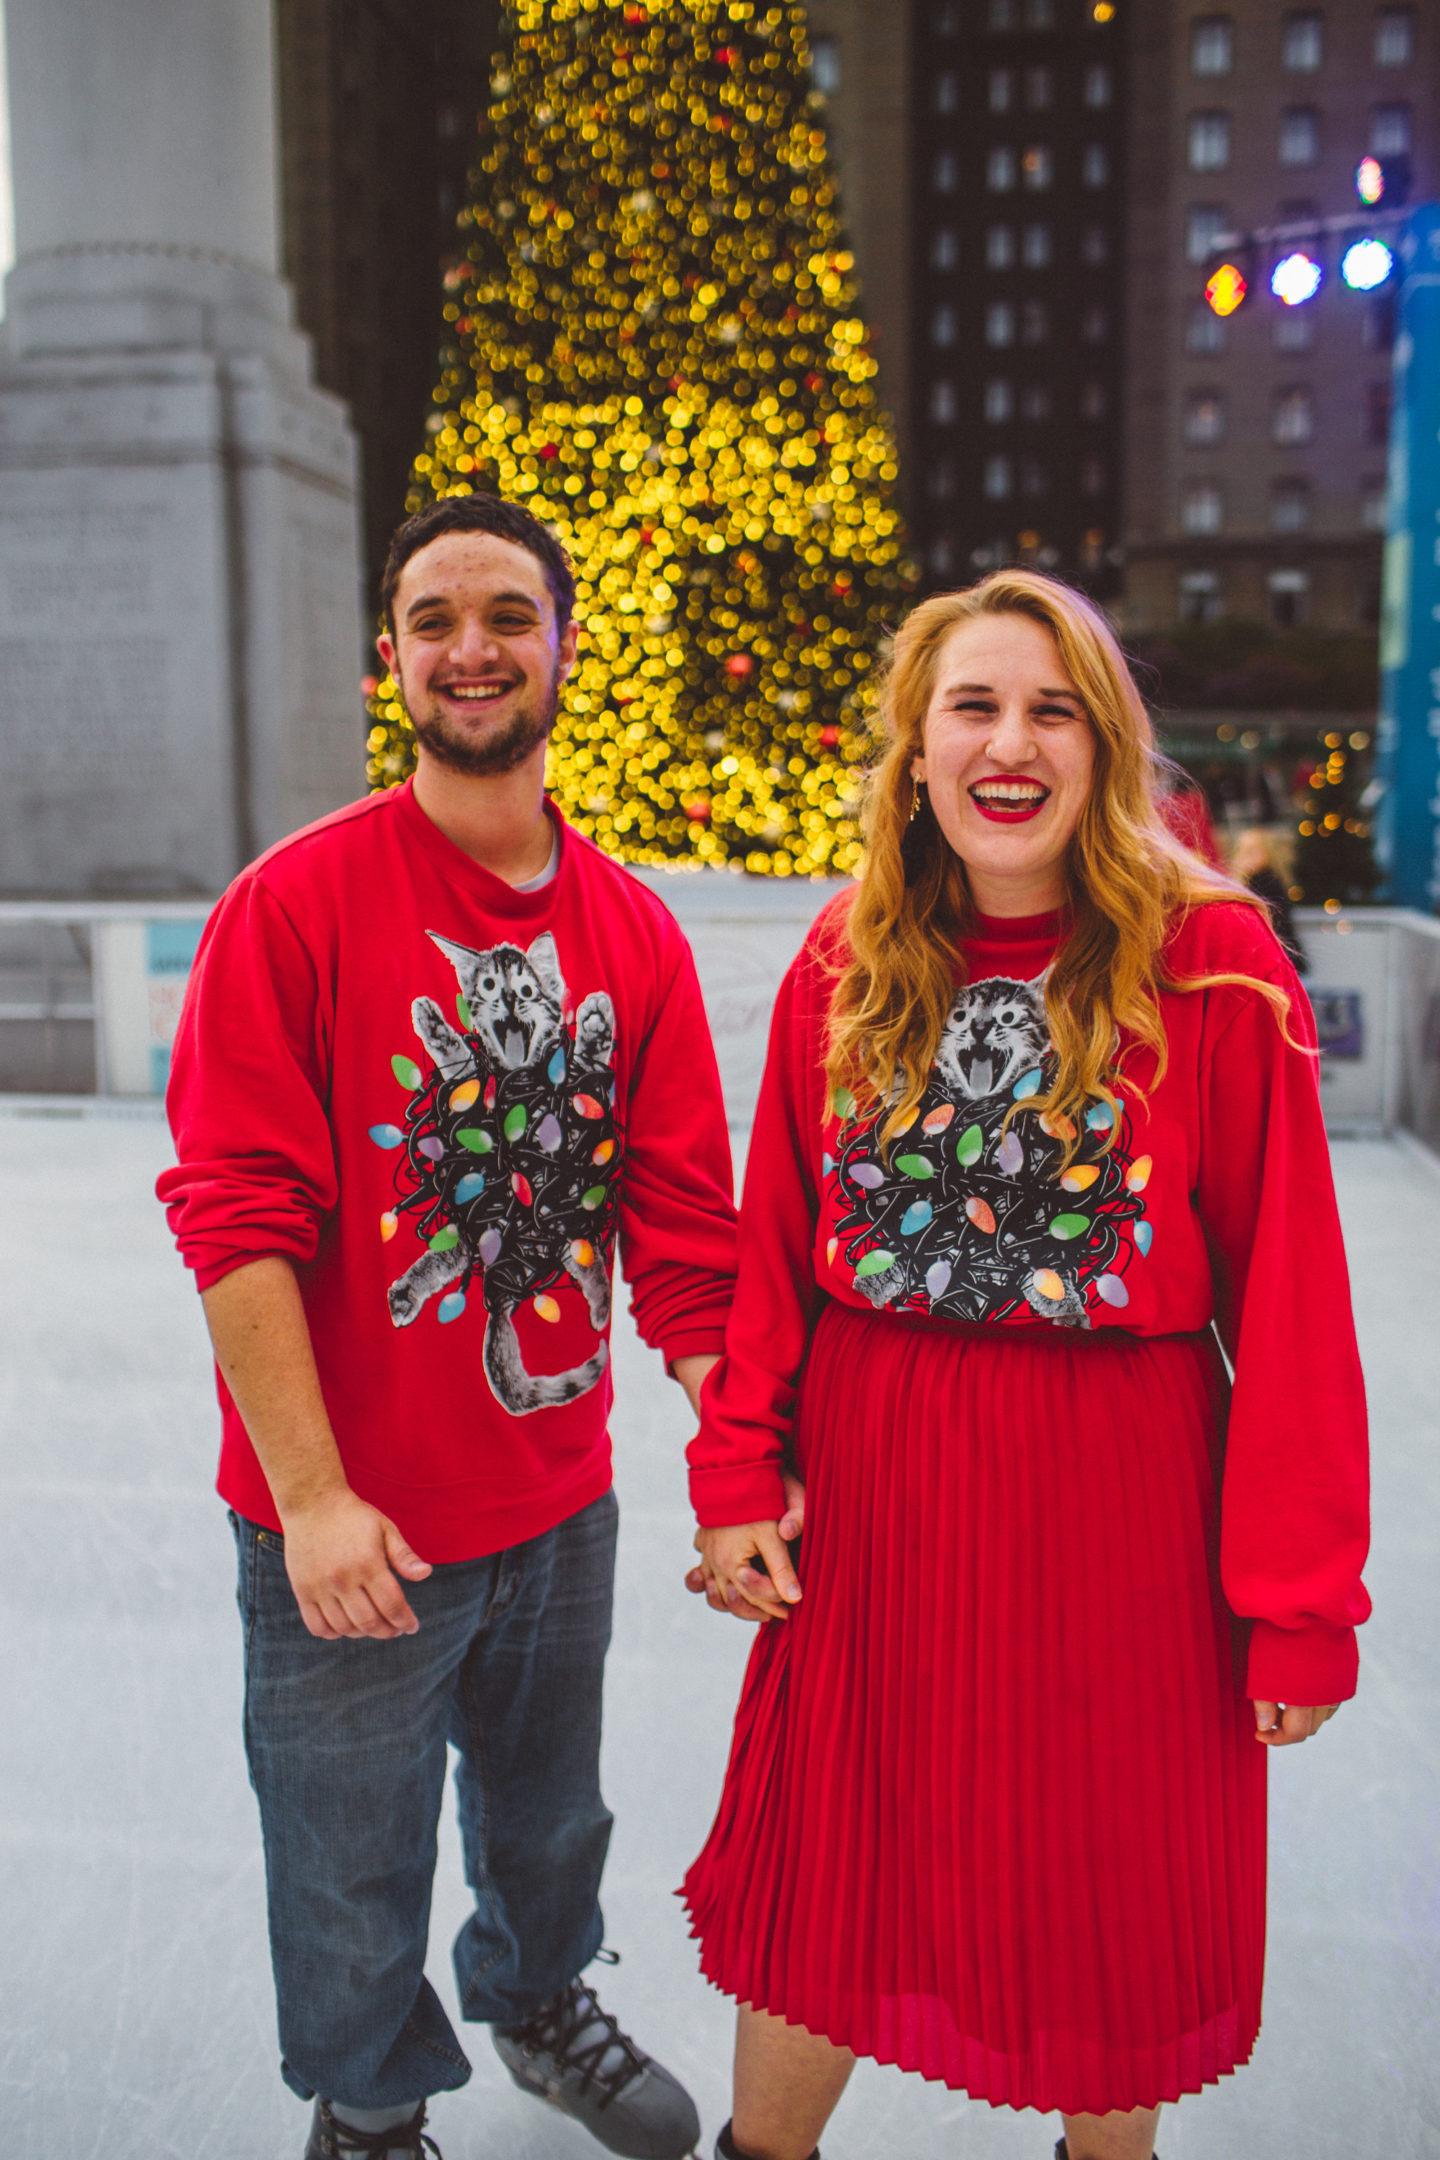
x=1018, y=244
x=1255, y=452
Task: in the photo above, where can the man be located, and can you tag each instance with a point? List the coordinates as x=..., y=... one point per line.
x=437, y=1051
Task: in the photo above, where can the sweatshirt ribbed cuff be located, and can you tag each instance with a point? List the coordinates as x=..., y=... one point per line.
x=751, y=1492
x=1306, y=1665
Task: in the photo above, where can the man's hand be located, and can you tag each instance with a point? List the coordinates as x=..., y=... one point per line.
x=1277, y=1727
x=343, y=1557
x=749, y=1594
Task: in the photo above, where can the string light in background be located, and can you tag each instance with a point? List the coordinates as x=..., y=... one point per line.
x=655, y=344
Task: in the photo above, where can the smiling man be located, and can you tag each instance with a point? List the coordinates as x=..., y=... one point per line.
x=438, y=1052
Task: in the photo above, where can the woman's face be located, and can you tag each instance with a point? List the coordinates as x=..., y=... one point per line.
x=1008, y=757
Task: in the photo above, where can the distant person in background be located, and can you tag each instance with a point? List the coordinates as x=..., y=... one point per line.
x=1253, y=863
x=1187, y=814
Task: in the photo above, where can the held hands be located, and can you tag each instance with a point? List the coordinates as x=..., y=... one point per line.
x=726, y=1576
x=343, y=1557
x=1277, y=1727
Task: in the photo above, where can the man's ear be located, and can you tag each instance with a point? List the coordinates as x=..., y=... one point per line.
x=385, y=646
x=569, y=642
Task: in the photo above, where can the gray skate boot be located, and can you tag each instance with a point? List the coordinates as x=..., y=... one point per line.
x=573, y=2054
x=332, y=2139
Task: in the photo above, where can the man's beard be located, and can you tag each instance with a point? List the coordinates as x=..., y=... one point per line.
x=494, y=752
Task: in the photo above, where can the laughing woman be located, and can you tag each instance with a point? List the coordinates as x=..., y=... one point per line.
x=1040, y=1107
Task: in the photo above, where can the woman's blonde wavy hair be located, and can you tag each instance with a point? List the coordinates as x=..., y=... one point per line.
x=1128, y=877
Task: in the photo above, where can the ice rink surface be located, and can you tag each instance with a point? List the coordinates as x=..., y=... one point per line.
x=137, y=2021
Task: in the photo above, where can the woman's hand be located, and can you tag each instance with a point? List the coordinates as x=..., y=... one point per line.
x=729, y=1582
x=1277, y=1727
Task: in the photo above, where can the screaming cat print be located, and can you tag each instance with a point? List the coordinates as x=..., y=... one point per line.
x=969, y=1217
x=510, y=1160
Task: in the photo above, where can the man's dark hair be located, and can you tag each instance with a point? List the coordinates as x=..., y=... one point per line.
x=482, y=514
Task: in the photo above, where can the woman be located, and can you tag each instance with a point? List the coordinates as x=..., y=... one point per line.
x=1040, y=1102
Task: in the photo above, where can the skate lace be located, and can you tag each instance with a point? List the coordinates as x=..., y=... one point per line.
x=343, y=2140
x=575, y=2028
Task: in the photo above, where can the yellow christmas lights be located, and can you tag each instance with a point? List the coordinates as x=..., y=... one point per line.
x=656, y=346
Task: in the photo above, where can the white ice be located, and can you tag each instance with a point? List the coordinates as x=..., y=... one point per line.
x=136, y=2021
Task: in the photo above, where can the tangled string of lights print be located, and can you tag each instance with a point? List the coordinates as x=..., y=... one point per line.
x=973, y=1213
x=508, y=1160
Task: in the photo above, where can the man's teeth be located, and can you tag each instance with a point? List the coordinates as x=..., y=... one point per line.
x=1016, y=791
x=478, y=696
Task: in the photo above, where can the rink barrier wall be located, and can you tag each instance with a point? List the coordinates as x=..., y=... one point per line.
x=90, y=992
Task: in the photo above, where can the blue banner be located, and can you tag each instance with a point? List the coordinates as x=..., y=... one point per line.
x=1408, y=749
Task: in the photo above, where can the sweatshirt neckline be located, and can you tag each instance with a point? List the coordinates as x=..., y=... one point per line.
x=492, y=892
x=1018, y=929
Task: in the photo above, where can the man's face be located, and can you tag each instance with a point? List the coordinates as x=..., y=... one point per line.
x=476, y=652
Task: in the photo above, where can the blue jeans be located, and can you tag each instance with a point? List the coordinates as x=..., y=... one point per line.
x=346, y=1745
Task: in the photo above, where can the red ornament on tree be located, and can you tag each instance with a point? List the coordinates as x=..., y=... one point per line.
x=725, y=55
x=829, y=737
x=549, y=450
x=698, y=811
x=739, y=664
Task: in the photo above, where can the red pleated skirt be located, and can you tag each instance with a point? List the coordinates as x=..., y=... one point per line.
x=994, y=1810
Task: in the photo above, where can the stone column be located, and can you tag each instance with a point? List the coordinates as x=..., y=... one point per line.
x=180, y=635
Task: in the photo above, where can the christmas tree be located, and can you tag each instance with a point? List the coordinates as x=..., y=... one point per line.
x=1334, y=853
x=654, y=344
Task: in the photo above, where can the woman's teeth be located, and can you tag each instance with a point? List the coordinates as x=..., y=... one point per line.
x=1008, y=791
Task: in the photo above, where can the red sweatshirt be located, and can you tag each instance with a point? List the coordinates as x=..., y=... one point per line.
x=1215, y=1203
x=441, y=1098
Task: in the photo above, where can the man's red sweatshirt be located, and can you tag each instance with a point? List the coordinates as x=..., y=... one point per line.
x=442, y=1098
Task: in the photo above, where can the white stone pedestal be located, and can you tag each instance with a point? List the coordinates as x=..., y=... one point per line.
x=180, y=632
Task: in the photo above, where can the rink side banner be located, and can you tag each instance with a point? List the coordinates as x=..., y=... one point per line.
x=1408, y=763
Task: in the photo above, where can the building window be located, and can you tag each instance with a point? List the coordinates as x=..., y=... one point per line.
x=947, y=92
x=1302, y=42
x=1093, y=476
x=1205, y=330
x=1390, y=131
x=1209, y=141
x=999, y=323
x=999, y=399
x=945, y=248
x=1201, y=508
x=1300, y=136
x=1212, y=45
x=1095, y=165
x=1034, y=322
x=1204, y=417
x=942, y=557
x=1289, y=506
x=1097, y=86
x=1375, y=505
x=1038, y=167
x=1377, y=412
x=1095, y=324
x=1095, y=246
x=1204, y=224
x=997, y=479
x=1394, y=37
x=944, y=326
x=999, y=247
x=1200, y=599
x=1289, y=592
x=1003, y=15
x=1038, y=89
x=1000, y=171
x=1035, y=248
x=1293, y=417
x=1039, y=14
x=825, y=64
x=1002, y=89
x=943, y=405
x=940, y=483
x=1035, y=402
x=1093, y=401
x=945, y=173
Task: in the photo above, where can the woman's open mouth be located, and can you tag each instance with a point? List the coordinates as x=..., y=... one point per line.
x=1007, y=799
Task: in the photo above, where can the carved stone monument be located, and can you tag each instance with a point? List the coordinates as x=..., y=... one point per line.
x=180, y=633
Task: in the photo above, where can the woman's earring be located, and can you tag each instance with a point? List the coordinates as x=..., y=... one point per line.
x=914, y=800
